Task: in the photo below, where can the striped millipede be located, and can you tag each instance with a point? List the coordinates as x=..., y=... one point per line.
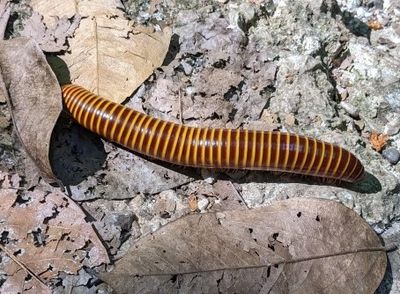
x=209, y=147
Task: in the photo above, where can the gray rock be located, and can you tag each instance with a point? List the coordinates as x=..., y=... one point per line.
x=187, y=68
x=392, y=155
x=393, y=98
x=393, y=126
x=140, y=176
x=390, y=283
x=350, y=109
x=202, y=204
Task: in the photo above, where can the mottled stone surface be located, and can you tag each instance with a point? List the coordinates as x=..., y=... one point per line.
x=311, y=67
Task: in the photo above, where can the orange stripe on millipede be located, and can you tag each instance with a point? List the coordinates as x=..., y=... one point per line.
x=227, y=146
x=261, y=153
x=159, y=136
x=136, y=131
x=131, y=130
x=286, y=158
x=189, y=147
x=151, y=136
x=212, y=146
x=95, y=118
x=72, y=97
x=203, y=144
x=66, y=93
x=246, y=147
x=253, y=149
x=278, y=149
x=175, y=143
x=321, y=158
x=89, y=111
x=183, y=140
x=329, y=161
x=123, y=126
x=347, y=164
x=269, y=155
x=338, y=159
x=352, y=170
x=314, y=153
x=84, y=100
x=100, y=116
x=69, y=92
x=91, y=117
x=296, y=154
x=76, y=101
x=84, y=108
x=110, y=116
x=237, y=149
x=144, y=132
x=196, y=145
x=164, y=150
x=67, y=88
x=117, y=122
x=305, y=154
x=219, y=146
x=359, y=173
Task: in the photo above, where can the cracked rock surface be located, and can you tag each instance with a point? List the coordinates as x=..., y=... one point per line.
x=315, y=68
x=309, y=67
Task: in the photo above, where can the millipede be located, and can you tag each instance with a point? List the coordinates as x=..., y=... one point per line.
x=209, y=147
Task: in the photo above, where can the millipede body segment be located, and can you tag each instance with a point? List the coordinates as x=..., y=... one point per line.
x=208, y=147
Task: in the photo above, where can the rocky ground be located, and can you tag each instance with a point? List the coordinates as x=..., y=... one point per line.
x=328, y=69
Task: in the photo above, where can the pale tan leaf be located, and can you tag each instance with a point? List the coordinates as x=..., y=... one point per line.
x=108, y=55
x=5, y=11
x=53, y=39
x=292, y=246
x=46, y=232
x=34, y=96
x=15, y=283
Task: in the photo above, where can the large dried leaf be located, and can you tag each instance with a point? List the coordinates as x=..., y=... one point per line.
x=292, y=246
x=107, y=55
x=52, y=39
x=34, y=95
x=5, y=11
x=46, y=232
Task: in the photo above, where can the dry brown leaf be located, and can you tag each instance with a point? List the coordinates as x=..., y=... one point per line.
x=216, y=81
x=293, y=246
x=107, y=55
x=46, y=232
x=193, y=202
x=5, y=11
x=34, y=95
x=3, y=91
x=50, y=39
x=378, y=141
x=375, y=25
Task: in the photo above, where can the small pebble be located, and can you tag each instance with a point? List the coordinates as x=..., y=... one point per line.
x=202, y=204
x=392, y=155
x=190, y=91
x=208, y=176
x=350, y=109
x=359, y=124
x=187, y=68
x=4, y=122
x=192, y=202
x=393, y=98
